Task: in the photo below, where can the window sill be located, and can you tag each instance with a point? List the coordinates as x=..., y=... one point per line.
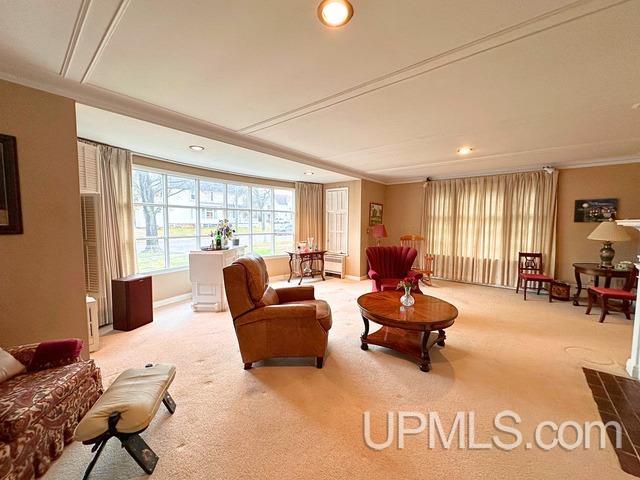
x=166, y=271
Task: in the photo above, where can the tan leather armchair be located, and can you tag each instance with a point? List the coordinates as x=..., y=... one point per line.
x=274, y=323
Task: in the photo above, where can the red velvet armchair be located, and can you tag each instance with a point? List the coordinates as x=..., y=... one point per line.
x=389, y=265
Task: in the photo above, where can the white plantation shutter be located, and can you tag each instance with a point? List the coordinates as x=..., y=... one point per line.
x=337, y=204
x=88, y=168
x=90, y=243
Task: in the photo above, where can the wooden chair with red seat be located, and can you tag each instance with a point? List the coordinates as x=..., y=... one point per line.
x=531, y=269
x=603, y=295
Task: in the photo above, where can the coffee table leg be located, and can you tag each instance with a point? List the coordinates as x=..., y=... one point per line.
x=442, y=336
x=425, y=361
x=363, y=337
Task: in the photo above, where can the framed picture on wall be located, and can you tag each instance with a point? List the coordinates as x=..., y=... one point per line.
x=597, y=210
x=10, y=212
x=375, y=213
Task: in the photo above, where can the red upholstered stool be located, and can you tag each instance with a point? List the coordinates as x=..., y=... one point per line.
x=604, y=294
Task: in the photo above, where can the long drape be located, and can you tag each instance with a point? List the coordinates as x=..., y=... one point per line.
x=309, y=212
x=117, y=234
x=475, y=227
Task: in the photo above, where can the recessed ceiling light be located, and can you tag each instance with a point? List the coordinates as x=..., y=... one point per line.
x=465, y=150
x=335, y=13
x=196, y=148
x=308, y=173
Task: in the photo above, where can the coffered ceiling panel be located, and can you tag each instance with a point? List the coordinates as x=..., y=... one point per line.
x=563, y=87
x=37, y=32
x=238, y=63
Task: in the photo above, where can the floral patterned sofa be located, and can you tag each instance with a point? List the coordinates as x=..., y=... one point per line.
x=39, y=411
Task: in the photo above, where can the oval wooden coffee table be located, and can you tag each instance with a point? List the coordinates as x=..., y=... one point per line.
x=406, y=329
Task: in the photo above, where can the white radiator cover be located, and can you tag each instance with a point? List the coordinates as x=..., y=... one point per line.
x=334, y=263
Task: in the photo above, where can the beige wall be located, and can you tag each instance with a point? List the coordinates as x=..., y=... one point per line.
x=173, y=284
x=614, y=181
x=371, y=192
x=42, y=275
x=352, y=266
x=402, y=210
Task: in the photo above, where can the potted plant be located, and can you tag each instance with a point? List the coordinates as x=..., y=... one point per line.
x=224, y=232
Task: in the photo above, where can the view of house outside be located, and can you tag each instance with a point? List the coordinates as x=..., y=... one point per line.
x=175, y=214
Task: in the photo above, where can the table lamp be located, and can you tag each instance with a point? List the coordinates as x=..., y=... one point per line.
x=379, y=232
x=608, y=232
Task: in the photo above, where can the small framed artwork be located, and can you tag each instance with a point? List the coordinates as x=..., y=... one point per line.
x=598, y=210
x=10, y=212
x=375, y=213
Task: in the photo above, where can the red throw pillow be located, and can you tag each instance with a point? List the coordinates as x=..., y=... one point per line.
x=55, y=353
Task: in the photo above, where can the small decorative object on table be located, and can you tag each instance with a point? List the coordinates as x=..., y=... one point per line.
x=223, y=233
x=408, y=284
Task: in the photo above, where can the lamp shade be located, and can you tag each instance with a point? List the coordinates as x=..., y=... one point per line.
x=609, y=232
x=379, y=231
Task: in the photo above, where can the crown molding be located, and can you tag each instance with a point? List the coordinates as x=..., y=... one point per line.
x=102, y=98
x=530, y=168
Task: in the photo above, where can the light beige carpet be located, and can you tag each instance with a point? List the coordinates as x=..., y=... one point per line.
x=291, y=422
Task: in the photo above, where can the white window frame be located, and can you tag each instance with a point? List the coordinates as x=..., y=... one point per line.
x=326, y=221
x=225, y=207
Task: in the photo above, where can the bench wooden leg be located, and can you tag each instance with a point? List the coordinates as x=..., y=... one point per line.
x=169, y=402
x=98, y=446
x=140, y=452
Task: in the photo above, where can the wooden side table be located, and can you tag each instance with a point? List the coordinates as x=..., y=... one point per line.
x=596, y=271
x=306, y=264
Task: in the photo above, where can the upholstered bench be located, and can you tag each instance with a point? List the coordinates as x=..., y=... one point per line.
x=125, y=410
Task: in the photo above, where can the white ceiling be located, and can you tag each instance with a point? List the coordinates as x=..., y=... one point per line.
x=389, y=97
x=168, y=143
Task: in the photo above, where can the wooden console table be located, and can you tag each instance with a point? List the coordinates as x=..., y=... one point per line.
x=596, y=271
x=305, y=264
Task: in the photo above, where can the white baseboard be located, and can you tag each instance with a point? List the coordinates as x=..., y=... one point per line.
x=170, y=300
x=355, y=278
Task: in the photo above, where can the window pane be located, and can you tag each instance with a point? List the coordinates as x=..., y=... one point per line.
x=245, y=240
x=179, y=249
x=181, y=191
x=284, y=244
x=262, y=222
x=241, y=221
x=148, y=187
x=261, y=198
x=182, y=222
x=212, y=193
x=283, y=222
x=262, y=244
x=150, y=254
x=209, y=218
x=283, y=200
x=148, y=221
x=237, y=196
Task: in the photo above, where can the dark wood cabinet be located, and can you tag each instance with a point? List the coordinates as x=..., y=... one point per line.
x=132, y=302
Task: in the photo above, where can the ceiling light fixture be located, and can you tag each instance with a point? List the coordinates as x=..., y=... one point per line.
x=465, y=150
x=196, y=148
x=308, y=173
x=335, y=13
x=635, y=106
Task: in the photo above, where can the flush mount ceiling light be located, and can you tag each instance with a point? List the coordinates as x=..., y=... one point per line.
x=196, y=148
x=335, y=13
x=465, y=150
x=308, y=173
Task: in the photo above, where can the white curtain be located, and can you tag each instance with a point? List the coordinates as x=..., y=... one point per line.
x=475, y=227
x=309, y=212
x=117, y=233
